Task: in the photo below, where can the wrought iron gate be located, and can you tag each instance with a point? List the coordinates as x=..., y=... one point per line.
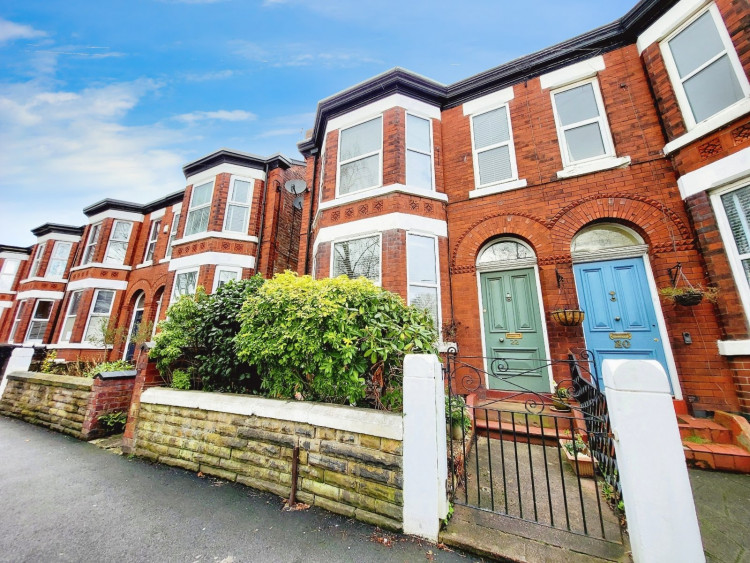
x=524, y=456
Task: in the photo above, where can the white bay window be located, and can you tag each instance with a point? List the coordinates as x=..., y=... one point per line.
x=355, y=258
x=360, y=157
x=418, y=152
x=118, y=242
x=59, y=259
x=98, y=321
x=421, y=253
x=238, y=206
x=200, y=209
x=185, y=283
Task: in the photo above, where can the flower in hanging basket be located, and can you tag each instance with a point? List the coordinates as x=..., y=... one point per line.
x=689, y=296
x=568, y=317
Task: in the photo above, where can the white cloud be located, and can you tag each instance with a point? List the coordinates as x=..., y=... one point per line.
x=299, y=54
x=10, y=31
x=220, y=115
x=64, y=150
x=209, y=76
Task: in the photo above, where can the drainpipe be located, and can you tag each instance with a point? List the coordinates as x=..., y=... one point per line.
x=262, y=218
x=310, y=215
x=273, y=248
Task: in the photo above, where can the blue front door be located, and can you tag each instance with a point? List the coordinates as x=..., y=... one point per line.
x=620, y=321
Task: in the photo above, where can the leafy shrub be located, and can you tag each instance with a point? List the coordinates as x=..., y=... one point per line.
x=114, y=421
x=180, y=379
x=117, y=365
x=335, y=340
x=197, y=338
x=219, y=368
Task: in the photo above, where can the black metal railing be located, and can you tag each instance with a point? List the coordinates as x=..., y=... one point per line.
x=523, y=457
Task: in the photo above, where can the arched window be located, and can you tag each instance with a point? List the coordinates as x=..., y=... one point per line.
x=606, y=240
x=504, y=254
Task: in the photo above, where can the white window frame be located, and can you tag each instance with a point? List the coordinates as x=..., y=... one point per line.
x=435, y=285
x=10, y=277
x=37, y=262
x=192, y=209
x=69, y=315
x=91, y=316
x=379, y=152
x=64, y=261
x=248, y=205
x=730, y=245
x=177, y=273
x=609, y=147
x=89, y=252
x=674, y=75
x=379, y=282
x=321, y=179
x=431, y=154
x=17, y=320
x=172, y=234
x=153, y=237
x=234, y=269
x=32, y=320
x=510, y=143
x=113, y=261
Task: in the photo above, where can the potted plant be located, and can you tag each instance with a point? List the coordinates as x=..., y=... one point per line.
x=689, y=296
x=568, y=317
x=577, y=449
x=457, y=416
x=560, y=398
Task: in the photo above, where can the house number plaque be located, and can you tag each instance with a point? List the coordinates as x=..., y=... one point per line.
x=621, y=339
x=514, y=338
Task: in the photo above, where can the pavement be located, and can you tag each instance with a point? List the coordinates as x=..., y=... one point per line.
x=66, y=500
x=722, y=501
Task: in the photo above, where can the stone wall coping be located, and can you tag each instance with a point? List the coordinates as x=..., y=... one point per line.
x=66, y=381
x=121, y=374
x=338, y=417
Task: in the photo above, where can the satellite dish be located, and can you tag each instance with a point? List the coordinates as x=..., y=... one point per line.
x=297, y=204
x=295, y=186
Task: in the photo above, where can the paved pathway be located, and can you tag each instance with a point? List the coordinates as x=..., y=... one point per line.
x=722, y=501
x=65, y=500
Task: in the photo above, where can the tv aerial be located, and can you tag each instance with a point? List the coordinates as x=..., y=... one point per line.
x=295, y=187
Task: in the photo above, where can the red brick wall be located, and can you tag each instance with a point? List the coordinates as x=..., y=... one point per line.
x=107, y=396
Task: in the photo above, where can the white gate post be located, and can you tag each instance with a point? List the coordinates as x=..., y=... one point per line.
x=20, y=360
x=656, y=489
x=425, y=454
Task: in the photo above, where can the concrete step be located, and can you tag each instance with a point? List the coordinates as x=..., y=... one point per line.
x=720, y=457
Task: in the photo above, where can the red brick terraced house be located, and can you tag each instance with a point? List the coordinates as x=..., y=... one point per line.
x=588, y=175
x=123, y=268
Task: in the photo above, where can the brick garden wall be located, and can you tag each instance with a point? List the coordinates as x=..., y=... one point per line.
x=63, y=403
x=350, y=460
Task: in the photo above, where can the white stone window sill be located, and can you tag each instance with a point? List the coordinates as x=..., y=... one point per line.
x=38, y=279
x=734, y=347
x=498, y=188
x=594, y=166
x=705, y=127
x=383, y=190
x=145, y=264
x=215, y=234
x=101, y=265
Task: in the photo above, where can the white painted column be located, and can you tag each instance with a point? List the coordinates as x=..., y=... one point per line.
x=425, y=454
x=20, y=360
x=659, y=506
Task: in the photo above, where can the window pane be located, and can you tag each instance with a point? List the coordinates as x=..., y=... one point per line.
x=241, y=191
x=236, y=218
x=360, y=174
x=425, y=298
x=746, y=267
x=418, y=170
x=737, y=207
x=61, y=250
x=225, y=276
x=43, y=309
x=103, y=302
x=121, y=231
x=75, y=301
x=418, y=134
x=116, y=253
x=96, y=328
x=361, y=139
x=696, y=44
x=186, y=283
x=357, y=258
x=584, y=142
x=421, y=253
x=494, y=165
x=201, y=195
x=603, y=236
x=505, y=250
x=37, y=330
x=197, y=221
x=491, y=128
x=576, y=104
x=8, y=274
x=712, y=89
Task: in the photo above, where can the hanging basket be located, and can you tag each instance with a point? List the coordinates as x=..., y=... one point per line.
x=689, y=298
x=568, y=317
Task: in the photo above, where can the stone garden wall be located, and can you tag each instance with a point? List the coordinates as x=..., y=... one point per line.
x=350, y=460
x=67, y=404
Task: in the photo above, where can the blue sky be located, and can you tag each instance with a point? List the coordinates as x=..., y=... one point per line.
x=111, y=98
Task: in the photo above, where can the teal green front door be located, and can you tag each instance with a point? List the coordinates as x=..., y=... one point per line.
x=513, y=331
